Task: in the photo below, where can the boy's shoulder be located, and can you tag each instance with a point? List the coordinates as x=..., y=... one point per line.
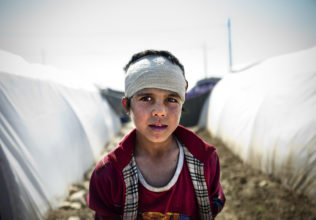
x=106, y=175
x=197, y=147
x=103, y=162
x=120, y=156
x=104, y=168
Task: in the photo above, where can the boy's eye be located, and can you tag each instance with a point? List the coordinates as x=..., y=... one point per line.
x=145, y=98
x=172, y=100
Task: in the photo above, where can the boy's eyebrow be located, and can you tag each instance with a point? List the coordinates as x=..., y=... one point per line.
x=174, y=95
x=171, y=94
x=143, y=94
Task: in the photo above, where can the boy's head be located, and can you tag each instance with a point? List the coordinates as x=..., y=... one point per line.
x=155, y=69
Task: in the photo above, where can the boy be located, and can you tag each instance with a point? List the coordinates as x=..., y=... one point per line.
x=160, y=170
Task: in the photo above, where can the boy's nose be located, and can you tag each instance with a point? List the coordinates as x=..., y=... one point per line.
x=159, y=109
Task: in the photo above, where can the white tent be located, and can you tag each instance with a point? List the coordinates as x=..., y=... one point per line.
x=50, y=135
x=267, y=116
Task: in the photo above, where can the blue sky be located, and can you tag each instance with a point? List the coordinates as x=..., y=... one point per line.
x=96, y=38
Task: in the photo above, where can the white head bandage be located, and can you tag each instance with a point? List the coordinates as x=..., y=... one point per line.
x=154, y=72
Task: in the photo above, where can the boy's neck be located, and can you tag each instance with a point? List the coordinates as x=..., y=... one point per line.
x=147, y=148
x=157, y=162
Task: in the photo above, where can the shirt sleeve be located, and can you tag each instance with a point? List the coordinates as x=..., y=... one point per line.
x=212, y=174
x=106, y=192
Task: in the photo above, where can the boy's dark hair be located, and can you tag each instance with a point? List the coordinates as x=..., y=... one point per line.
x=163, y=53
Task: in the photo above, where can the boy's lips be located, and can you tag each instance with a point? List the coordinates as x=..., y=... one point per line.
x=158, y=127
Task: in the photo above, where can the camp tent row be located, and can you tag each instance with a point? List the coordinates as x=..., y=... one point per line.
x=50, y=134
x=267, y=116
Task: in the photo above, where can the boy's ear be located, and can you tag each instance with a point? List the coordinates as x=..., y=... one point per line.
x=124, y=103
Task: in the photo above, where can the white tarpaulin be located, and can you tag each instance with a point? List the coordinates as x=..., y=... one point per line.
x=50, y=135
x=267, y=116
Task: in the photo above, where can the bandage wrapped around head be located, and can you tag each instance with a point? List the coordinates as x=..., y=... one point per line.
x=154, y=72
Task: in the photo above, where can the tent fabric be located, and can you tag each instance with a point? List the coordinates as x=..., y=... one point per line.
x=50, y=134
x=194, y=101
x=192, y=109
x=267, y=116
x=114, y=98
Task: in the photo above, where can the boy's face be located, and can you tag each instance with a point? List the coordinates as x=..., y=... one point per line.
x=155, y=113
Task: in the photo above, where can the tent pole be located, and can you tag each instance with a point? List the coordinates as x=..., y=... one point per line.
x=229, y=45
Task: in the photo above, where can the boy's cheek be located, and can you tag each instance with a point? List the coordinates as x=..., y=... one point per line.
x=176, y=110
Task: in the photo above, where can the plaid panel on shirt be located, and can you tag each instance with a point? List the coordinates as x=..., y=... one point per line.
x=131, y=196
x=196, y=169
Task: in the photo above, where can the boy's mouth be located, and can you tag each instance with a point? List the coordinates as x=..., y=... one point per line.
x=158, y=127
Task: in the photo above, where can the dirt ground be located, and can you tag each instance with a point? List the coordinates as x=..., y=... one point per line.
x=250, y=194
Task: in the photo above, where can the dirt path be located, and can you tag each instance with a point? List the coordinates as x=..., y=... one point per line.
x=250, y=194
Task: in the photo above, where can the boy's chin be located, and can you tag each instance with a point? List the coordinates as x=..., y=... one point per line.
x=156, y=138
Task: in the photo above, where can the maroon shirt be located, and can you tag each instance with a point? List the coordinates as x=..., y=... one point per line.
x=107, y=188
x=179, y=199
